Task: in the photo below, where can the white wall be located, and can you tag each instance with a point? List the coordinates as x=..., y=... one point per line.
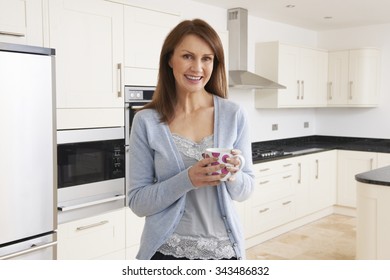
x=374, y=122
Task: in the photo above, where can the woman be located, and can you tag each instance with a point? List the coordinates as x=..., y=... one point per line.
x=189, y=213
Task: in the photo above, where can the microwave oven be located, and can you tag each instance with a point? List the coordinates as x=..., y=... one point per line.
x=91, y=172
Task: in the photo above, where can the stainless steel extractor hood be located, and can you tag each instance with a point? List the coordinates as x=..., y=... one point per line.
x=239, y=77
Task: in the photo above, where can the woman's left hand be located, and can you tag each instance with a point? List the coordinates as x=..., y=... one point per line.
x=236, y=164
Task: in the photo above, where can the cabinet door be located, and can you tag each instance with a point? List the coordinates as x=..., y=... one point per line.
x=145, y=32
x=383, y=159
x=322, y=191
x=88, y=38
x=363, y=77
x=338, y=78
x=93, y=238
x=308, y=77
x=351, y=163
x=289, y=75
x=21, y=22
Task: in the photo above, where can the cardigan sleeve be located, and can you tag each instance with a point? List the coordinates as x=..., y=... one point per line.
x=238, y=135
x=148, y=194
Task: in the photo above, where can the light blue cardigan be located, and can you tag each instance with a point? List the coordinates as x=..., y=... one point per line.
x=159, y=182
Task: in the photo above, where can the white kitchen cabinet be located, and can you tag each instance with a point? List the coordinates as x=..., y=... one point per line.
x=144, y=33
x=134, y=227
x=272, y=202
x=316, y=182
x=383, y=159
x=98, y=237
x=88, y=38
x=302, y=70
x=354, y=78
x=21, y=22
x=351, y=163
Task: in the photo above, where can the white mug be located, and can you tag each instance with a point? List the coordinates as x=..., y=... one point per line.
x=222, y=154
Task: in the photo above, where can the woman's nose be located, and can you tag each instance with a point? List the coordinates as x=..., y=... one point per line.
x=196, y=65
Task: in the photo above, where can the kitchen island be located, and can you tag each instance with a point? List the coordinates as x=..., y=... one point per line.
x=373, y=214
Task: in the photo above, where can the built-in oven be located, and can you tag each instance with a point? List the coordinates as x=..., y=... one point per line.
x=135, y=98
x=91, y=172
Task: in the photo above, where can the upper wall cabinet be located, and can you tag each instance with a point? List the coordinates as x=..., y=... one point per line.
x=21, y=22
x=354, y=78
x=302, y=70
x=144, y=32
x=88, y=38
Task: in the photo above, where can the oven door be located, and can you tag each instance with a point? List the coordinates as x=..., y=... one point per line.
x=91, y=172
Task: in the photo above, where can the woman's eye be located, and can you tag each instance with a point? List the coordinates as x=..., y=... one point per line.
x=187, y=56
x=207, y=58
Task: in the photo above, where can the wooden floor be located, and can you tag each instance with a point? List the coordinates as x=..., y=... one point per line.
x=330, y=238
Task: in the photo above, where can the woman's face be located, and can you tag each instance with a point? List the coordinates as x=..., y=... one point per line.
x=192, y=64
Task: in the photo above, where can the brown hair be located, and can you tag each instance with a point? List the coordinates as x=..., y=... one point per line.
x=164, y=97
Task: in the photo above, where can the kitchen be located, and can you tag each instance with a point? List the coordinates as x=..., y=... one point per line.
x=76, y=69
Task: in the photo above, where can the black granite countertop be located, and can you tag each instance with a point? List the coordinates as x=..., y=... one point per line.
x=317, y=143
x=379, y=176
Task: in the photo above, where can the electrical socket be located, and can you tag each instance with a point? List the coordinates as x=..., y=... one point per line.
x=274, y=126
x=306, y=124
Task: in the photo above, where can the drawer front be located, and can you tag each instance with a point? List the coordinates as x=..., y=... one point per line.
x=273, y=167
x=269, y=215
x=93, y=237
x=273, y=187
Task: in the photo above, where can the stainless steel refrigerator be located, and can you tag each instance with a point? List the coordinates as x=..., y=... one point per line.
x=28, y=182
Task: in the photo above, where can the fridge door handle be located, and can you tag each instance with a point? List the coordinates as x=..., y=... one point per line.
x=33, y=248
x=90, y=203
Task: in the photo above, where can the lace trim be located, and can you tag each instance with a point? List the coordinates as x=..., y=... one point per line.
x=190, y=148
x=197, y=248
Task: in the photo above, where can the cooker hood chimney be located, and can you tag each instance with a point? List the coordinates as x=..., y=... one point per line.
x=239, y=77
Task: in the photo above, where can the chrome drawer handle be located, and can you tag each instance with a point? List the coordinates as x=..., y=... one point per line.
x=287, y=165
x=263, y=210
x=286, y=202
x=286, y=177
x=264, y=182
x=263, y=170
x=91, y=203
x=92, y=225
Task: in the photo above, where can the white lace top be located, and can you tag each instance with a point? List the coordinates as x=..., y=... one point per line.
x=201, y=233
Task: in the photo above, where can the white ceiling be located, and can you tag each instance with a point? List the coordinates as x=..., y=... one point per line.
x=309, y=14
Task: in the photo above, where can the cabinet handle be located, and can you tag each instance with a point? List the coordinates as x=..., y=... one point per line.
x=317, y=168
x=286, y=202
x=298, y=89
x=119, y=79
x=287, y=165
x=264, y=182
x=300, y=173
x=303, y=89
x=330, y=87
x=286, y=177
x=263, y=170
x=263, y=210
x=350, y=90
x=372, y=163
x=91, y=225
x=15, y=34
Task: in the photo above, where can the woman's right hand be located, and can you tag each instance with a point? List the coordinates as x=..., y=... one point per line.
x=200, y=173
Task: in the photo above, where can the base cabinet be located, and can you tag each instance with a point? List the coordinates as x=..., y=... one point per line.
x=316, y=182
x=373, y=229
x=349, y=164
x=98, y=237
x=272, y=202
